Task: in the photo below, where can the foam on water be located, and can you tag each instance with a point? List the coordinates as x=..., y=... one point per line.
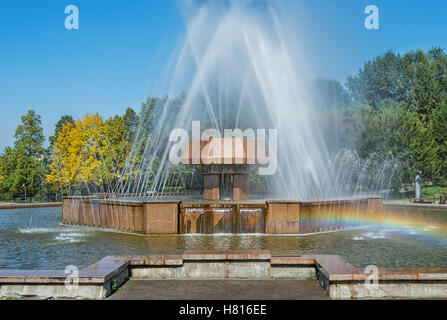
x=374, y=235
x=31, y=230
x=70, y=237
x=38, y=230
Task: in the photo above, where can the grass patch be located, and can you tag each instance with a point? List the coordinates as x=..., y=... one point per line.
x=115, y=286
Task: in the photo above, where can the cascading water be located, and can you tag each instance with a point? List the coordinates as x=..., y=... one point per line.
x=251, y=220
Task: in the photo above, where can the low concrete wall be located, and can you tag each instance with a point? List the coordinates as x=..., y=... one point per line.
x=219, y=264
x=53, y=291
x=344, y=281
x=207, y=270
x=389, y=290
x=95, y=282
x=337, y=276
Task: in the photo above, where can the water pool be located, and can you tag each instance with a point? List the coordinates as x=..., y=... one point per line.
x=35, y=239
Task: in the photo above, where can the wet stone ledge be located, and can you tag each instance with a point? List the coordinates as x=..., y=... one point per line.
x=341, y=279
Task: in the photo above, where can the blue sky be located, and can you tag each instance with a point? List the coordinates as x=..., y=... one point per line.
x=114, y=59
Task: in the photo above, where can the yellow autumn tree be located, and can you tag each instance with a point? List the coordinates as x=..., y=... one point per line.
x=60, y=174
x=80, y=154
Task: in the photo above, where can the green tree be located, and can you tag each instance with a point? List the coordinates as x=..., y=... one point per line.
x=379, y=79
x=22, y=167
x=422, y=89
x=438, y=131
x=58, y=128
x=131, y=123
x=29, y=134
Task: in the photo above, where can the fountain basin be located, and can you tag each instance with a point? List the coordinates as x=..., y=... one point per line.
x=198, y=217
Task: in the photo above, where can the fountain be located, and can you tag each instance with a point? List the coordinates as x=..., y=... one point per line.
x=238, y=68
x=216, y=213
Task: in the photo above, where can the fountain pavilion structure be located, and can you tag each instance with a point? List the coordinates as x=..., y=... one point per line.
x=226, y=206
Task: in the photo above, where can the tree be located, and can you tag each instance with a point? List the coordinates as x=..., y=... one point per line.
x=29, y=134
x=7, y=168
x=90, y=153
x=378, y=79
x=59, y=125
x=438, y=131
x=78, y=154
x=422, y=90
x=131, y=123
x=23, y=166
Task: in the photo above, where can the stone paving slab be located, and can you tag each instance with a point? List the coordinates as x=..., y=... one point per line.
x=213, y=289
x=154, y=260
x=97, y=273
x=293, y=260
x=105, y=268
x=226, y=255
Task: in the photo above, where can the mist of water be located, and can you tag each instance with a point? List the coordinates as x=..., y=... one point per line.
x=237, y=71
x=240, y=66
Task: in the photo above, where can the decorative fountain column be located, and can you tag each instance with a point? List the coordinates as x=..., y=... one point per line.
x=225, y=165
x=225, y=182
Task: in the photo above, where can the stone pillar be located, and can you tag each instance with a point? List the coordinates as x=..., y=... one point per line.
x=282, y=217
x=160, y=217
x=241, y=187
x=211, y=187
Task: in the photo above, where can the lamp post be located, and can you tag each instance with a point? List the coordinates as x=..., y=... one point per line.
x=25, y=191
x=118, y=184
x=69, y=188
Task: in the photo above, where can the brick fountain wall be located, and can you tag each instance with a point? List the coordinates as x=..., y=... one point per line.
x=173, y=217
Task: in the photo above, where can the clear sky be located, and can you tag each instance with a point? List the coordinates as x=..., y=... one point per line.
x=114, y=60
